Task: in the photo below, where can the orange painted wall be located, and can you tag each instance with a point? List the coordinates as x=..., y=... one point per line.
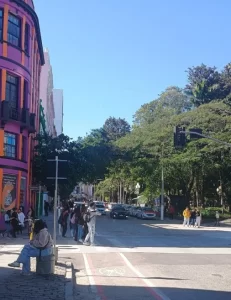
x=5, y=28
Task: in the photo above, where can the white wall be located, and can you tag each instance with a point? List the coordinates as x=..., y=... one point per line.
x=58, y=106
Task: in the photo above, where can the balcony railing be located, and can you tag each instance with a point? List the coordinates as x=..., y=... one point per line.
x=23, y=116
x=14, y=114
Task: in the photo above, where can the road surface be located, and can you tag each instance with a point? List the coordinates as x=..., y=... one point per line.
x=136, y=259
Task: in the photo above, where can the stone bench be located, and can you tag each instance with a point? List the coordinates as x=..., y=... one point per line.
x=45, y=265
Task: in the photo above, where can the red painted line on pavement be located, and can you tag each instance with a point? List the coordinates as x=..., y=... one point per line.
x=98, y=287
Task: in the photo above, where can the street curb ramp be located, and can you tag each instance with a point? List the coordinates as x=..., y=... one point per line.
x=69, y=285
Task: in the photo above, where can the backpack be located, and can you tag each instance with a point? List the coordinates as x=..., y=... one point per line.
x=87, y=217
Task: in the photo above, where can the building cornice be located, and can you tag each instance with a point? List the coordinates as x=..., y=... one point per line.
x=34, y=16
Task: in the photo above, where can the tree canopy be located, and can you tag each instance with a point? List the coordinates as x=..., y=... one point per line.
x=119, y=154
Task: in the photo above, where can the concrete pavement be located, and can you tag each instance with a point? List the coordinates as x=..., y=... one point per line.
x=136, y=259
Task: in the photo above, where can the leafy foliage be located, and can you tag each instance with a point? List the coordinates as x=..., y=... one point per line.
x=116, y=128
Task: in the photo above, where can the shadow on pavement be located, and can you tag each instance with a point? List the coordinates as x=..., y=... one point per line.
x=15, y=286
x=108, y=292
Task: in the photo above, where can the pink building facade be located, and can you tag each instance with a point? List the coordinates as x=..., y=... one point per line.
x=21, y=59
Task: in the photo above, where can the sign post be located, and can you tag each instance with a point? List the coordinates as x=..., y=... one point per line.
x=56, y=178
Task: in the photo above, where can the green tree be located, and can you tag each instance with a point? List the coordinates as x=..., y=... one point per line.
x=170, y=102
x=116, y=128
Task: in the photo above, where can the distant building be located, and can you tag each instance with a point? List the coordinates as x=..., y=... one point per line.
x=20, y=66
x=46, y=94
x=58, y=105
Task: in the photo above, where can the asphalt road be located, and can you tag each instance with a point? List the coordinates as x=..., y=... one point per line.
x=142, y=260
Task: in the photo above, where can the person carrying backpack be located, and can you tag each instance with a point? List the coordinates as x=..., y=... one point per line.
x=90, y=219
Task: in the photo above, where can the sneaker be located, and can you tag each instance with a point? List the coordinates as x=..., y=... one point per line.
x=86, y=244
x=26, y=273
x=81, y=241
x=14, y=264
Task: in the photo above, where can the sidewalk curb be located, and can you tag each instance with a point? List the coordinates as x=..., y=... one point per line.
x=69, y=287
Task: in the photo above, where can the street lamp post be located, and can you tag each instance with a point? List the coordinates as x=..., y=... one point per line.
x=162, y=188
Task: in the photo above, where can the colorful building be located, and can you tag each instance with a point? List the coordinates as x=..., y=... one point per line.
x=21, y=59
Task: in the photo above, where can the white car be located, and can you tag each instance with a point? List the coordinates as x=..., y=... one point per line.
x=133, y=211
x=146, y=213
x=100, y=208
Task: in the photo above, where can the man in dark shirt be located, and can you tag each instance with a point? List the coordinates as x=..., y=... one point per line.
x=14, y=222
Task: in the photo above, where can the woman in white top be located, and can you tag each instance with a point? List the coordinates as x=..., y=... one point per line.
x=21, y=220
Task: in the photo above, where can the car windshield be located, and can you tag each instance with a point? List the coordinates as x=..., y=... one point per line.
x=99, y=206
x=118, y=208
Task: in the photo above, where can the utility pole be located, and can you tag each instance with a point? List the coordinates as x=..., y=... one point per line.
x=56, y=198
x=56, y=178
x=162, y=188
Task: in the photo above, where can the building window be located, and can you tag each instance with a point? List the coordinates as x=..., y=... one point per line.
x=14, y=30
x=1, y=23
x=24, y=141
x=27, y=38
x=10, y=141
x=25, y=94
x=12, y=90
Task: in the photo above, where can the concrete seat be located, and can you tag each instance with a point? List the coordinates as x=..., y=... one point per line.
x=45, y=265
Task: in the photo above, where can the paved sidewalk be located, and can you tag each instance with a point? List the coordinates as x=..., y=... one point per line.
x=15, y=286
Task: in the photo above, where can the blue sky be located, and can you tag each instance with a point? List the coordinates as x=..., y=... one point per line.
x=112, y=56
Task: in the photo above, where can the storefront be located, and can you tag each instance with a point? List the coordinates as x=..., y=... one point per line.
x=13, y=193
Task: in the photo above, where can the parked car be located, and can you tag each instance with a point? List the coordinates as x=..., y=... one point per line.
x=146, y=213
x=134, y=210
x=118, y=212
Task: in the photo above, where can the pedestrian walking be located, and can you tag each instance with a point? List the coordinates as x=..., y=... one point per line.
x=186, y=215
x=171, y=212
x=217, y=215
x=14, y=222
x=81, y=223
x=198, y=218
x=74, y=223
x=46, y=207
x=193, y=218
x=91, y=220
x=63, y=220
x=7, y=222
x=21, y=219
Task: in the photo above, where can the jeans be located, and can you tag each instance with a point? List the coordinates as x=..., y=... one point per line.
x=91, y=234
x=27, y=252
x=64, y=229
x=73, y=229
x=186, y=221
x=192, y=221
x=80, y=232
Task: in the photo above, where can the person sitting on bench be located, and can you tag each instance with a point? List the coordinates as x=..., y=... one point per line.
x=40, y=245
